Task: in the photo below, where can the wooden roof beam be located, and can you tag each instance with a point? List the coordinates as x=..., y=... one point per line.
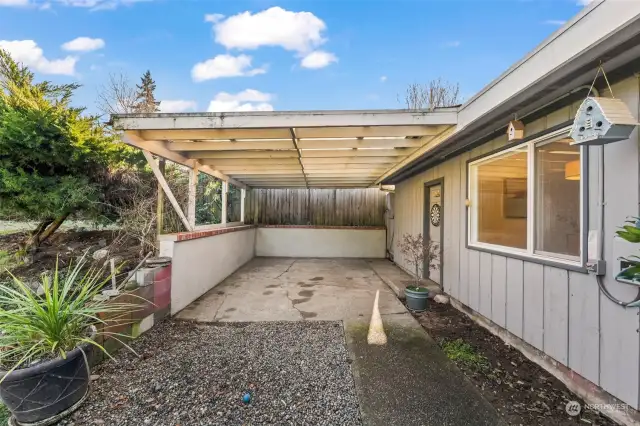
x=360, y=143
x=243, y=154
x=159, y=148
x=368, y=131
x=229, y=145
x=327, y=153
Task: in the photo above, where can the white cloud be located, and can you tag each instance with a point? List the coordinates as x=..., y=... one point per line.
x=247, y=95
x=28, y=52
x=584, y=2
x=453, y=43
x=95, y=5
x=84, y=44
x=14, y=3
x=247, y=100
x=318, y=59
x=295, y=31
x=383, y=78
x=213, y=17
x=225, y=66
x=89, y=4
x=177, y=106
x=558, y=22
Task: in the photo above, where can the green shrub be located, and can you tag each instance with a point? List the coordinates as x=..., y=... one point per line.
x=4, y=414
x=39, y=327
x=463, y=353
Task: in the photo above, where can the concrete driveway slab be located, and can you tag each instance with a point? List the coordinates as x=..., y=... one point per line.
x=284, y=289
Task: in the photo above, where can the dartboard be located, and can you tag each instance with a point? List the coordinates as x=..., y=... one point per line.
x=435, y=215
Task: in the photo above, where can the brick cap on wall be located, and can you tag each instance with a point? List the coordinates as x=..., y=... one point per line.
x=185, y=236
x=365, y=228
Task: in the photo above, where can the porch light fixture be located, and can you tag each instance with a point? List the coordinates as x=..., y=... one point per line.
x=572, y=170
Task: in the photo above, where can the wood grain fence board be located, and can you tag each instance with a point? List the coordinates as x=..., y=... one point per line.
x=315, y=206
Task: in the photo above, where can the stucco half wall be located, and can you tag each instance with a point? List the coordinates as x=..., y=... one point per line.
x=201, y=262
x=317, y=241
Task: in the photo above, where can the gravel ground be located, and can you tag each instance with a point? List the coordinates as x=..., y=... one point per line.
x=188, y=374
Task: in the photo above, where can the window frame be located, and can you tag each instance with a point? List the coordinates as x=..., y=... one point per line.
x=530, y=253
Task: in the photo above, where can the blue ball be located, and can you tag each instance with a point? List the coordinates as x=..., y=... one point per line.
x=246, y=398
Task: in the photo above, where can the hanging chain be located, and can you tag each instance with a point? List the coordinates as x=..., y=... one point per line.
x=600, y=68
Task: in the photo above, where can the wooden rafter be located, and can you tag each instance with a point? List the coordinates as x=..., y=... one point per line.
x=295, y=143
x=167, y=190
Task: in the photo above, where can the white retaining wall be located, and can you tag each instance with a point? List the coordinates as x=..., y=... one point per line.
x=321, y=242
x=200, y=264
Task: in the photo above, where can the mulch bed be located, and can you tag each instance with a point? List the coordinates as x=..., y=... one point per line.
x=66, y=247
x=520, y=390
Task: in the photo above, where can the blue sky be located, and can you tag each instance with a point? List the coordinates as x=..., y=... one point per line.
x=263, y=54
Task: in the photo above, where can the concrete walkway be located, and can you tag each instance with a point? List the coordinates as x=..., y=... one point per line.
x=409, y=381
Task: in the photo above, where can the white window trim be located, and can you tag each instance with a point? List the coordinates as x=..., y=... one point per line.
x=530, y=251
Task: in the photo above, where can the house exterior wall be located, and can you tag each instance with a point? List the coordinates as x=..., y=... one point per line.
x=557, y=310
x=283, y=241
x=199, y=264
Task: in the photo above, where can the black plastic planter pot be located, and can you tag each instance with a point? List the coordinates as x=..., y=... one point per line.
x=46, y=390
x=417, y=300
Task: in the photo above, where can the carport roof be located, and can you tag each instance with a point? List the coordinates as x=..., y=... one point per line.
x=290, y=149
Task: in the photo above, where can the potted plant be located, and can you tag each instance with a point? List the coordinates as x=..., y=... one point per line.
x=630, y=232
x=418, y=252
x=45, y=342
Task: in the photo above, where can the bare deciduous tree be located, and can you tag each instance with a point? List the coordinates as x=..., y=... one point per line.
x=434, y=94
x=117, y=96
x=418, y=253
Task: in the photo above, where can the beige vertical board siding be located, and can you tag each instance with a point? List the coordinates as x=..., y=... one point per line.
x=560, y=116
x=536, y=126
x=474, y=280
x=556, y=313
x=499, y=290
x=533, y=319
x=584, y=326
x=515, y=295
x=485, y=284
x=453, y=199
x=463, y=281
x=560, y=312
x=619, y=345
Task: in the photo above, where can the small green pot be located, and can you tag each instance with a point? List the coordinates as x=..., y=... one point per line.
x=417, y=300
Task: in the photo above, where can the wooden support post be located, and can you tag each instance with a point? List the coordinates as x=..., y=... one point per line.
x=167, y=190
x=225, y=189
x=191, y=207
x=160, y=205
x=243, y=193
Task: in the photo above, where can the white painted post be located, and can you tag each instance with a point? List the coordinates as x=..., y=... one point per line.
x=191, y=207
x=243, y=193
x=225, y=189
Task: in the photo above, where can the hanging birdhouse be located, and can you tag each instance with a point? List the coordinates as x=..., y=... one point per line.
x=602, y=120
x=515, y=130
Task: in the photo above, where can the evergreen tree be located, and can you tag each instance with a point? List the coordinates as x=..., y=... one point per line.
x=53, y=158
x=145, y=97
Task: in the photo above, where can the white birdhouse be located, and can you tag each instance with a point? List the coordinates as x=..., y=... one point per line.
x=515, y=130
x=602, y=120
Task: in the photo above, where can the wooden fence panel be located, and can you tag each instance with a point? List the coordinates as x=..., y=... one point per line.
x=320, y=207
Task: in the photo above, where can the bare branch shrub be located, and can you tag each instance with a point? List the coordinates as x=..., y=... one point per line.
x=117, y=96
x=434, y=94
x=419, y=252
